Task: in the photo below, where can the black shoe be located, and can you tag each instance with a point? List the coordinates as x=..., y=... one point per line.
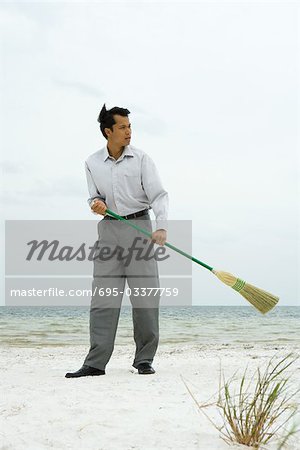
x=145, y=369
x=85, y=371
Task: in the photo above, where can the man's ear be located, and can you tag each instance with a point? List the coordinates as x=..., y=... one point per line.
x=107, y=131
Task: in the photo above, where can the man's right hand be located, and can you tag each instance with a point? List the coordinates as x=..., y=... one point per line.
x=99, y=207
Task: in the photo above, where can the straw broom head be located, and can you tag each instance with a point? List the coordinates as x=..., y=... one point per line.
x=263, y=301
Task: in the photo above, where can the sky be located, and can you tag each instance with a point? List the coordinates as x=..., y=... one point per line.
x=212, y=89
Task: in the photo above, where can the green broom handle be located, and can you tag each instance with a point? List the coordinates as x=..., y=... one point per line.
x=116, y=216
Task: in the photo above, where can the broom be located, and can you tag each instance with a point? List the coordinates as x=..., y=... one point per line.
x=262, y=300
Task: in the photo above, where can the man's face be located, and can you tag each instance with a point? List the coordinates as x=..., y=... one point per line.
x=121, y=133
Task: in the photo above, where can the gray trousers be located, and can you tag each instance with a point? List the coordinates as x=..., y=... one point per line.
x=110, y=275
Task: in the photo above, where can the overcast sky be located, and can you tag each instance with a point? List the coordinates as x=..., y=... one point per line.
x=212, y=90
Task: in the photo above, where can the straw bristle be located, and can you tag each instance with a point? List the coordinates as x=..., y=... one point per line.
x=262, y=300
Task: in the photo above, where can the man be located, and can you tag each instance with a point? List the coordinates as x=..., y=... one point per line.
x=125, y=180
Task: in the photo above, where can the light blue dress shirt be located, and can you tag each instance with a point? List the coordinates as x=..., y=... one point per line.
x=128, y=184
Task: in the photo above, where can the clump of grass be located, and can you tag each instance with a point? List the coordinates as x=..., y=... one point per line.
x=258, y=409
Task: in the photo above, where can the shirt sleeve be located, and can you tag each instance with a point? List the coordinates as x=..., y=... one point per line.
x=93, y=191
x=157, y=195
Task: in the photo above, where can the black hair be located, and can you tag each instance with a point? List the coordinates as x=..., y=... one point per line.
x=106, y=117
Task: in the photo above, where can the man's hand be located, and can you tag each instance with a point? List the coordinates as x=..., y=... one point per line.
x=99, y=207
x=159, y=237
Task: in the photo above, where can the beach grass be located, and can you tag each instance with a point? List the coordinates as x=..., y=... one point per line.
x=257, y=408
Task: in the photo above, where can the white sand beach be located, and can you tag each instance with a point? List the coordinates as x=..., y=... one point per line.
x=40, y=409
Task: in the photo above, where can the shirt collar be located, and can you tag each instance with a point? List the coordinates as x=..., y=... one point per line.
x=126, y=152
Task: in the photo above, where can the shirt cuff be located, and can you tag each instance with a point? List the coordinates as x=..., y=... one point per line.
x=161, y=224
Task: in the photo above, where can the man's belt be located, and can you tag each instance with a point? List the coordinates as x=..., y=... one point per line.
x=131, y=216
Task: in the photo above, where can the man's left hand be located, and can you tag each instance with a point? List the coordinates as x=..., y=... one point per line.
x=159, y=237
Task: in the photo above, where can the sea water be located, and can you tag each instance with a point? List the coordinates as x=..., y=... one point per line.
x=61, y=326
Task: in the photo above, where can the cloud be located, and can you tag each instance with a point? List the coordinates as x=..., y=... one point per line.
x=66, y=186
x=11, y=167
x=80, y=87
x=154, y=126
x=54, y=188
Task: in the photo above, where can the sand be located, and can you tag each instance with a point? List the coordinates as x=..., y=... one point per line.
x=41, y=409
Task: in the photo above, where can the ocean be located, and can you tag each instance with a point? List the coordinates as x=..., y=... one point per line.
x=69, y=326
